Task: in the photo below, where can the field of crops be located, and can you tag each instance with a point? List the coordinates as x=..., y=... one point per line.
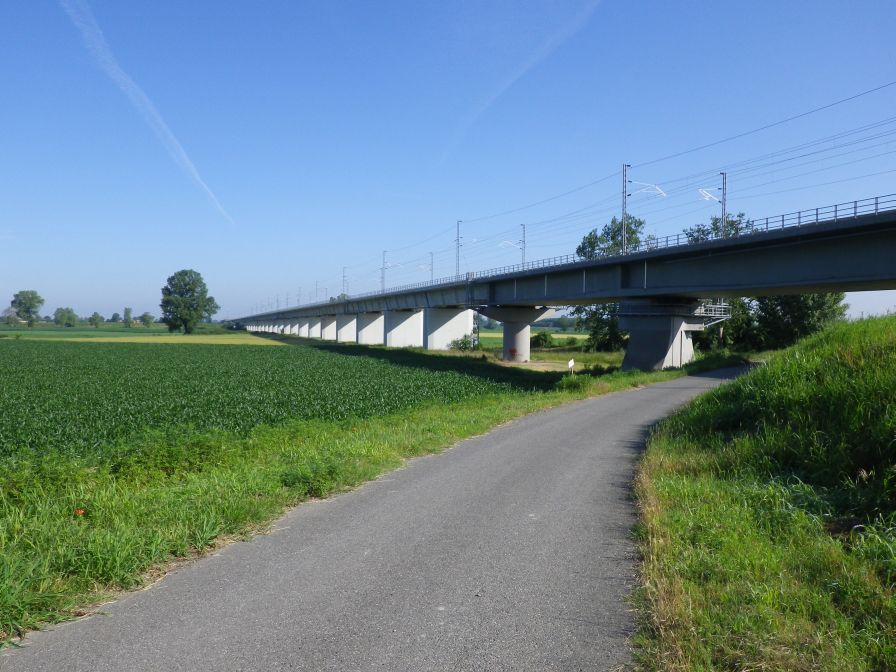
x=78, y=397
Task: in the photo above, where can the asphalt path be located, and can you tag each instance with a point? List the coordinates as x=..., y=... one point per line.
x=510, y=551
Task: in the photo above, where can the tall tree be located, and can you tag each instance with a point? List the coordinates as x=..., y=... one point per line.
x=735, y=225
x=185, y=301
x=782, y=320
x=95, y=320
x=128, y=318
x=65, y=317
x=609, y=241
x=27, y=303
x=10, y=316
x=115, y=317
x=147, y=319
x=602, y=320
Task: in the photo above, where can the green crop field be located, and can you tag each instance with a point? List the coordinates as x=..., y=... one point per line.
x=80, y=397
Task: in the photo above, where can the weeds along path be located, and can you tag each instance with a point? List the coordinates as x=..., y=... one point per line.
x=510, y=551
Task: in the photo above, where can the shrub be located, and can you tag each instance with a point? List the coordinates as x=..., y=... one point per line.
x=465, y=343
x=541, y=339
x=572, y=383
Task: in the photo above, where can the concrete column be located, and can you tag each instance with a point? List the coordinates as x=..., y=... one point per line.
x=443, y=325
x=660, y=333
x=404, y=328
x=347, y=328
x=328, y=327
x=517, y=321
x=371, y=329
x=314, y=327
x=303, y=327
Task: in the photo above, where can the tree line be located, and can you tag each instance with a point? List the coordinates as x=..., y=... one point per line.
x=26, y=304
x=185, y=303
x=756, y=323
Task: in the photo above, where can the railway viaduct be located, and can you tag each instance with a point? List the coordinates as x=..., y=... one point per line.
x=662, y=286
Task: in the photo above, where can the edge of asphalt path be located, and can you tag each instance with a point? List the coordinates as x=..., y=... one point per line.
x=509, y=550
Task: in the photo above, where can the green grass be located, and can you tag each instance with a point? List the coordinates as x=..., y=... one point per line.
x=769, y=515
x=119, y=458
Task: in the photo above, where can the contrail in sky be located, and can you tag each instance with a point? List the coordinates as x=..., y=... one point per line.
x=544, y=50
x=80, y=14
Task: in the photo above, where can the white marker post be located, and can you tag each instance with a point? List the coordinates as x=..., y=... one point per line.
x=571, y=364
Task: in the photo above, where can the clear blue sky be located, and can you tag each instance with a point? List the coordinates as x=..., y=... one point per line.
x=267, y=145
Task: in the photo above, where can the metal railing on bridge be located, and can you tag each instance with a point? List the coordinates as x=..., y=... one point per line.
x=830, y=213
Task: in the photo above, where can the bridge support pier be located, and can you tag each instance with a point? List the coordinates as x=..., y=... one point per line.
x=659, y=333
x=303, y=327
x=517, y=323
x=346, y=328
x=314, y=327
x=443, y=325
x=328, y=327
x=371, y=329
x=404, y=328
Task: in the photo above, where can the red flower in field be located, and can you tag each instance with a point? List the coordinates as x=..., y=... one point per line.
x=80, y=512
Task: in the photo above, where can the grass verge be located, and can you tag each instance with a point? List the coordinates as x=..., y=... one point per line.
x=768, y=529
x=75, y=529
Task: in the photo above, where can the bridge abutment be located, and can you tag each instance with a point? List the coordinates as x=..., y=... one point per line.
x=346, y=328
x=328, y=327
x=404, y=328
x=660, y=333
x=371, y=329
x=517, y=323
x=443, y=325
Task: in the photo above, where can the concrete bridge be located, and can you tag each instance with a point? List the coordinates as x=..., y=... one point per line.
x=659, y=285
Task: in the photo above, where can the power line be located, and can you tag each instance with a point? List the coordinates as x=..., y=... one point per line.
x=767, y=126
x=819, y=184
x=543, y=201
